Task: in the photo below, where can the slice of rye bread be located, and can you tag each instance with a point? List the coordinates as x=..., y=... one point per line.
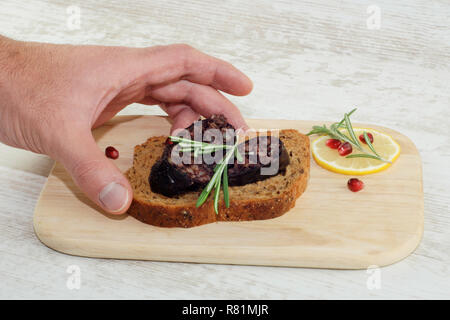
x=260, y=200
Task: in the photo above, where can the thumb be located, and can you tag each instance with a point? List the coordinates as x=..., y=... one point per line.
x=95, y=174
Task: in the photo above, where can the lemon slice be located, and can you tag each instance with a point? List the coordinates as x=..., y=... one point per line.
x=330, y=159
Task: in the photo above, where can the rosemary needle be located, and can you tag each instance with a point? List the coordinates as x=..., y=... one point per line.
x=225, y=187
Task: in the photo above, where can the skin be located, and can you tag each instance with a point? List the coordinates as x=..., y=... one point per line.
x=52, y=96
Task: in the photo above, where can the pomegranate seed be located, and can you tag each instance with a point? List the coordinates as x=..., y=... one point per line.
x=363, y=140
x=168, y=141
x=111, y=152
x=333, y=143
x=355, y=185
x=345, y=149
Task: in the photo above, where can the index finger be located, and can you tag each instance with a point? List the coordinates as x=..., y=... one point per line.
x=181, y=61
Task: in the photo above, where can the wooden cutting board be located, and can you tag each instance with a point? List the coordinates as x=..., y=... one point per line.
x=330, y=227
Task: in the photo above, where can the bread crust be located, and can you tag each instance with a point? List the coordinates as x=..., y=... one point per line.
x=188, y=215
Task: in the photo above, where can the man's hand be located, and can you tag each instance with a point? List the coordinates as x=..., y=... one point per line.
x=51, y=96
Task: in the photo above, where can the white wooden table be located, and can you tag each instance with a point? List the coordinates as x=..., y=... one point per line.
x=308, y=60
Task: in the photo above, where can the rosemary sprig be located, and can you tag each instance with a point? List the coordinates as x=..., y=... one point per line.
x=359, y=155
x=334, y=133
x=220, y=170
x=215, y=181
x=348, y=124
x=226, y=196
x=343, y=120
x=217, y=194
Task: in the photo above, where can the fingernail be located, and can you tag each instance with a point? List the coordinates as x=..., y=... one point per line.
x=243, y=129
x=114, y=197
x=176, y=131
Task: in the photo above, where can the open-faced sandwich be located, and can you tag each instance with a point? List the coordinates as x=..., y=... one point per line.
x=212, y=174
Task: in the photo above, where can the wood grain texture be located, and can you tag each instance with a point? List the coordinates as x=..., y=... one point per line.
x=308, y=60
x=329, y=227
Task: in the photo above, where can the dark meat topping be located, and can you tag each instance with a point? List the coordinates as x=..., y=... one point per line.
x=264, y=157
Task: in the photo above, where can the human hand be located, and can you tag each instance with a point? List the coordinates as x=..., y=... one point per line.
x=51, y=96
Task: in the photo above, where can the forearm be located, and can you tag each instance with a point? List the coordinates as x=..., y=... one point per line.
x=10, y=52
x=4, y=54
x=7, y=51
x=4, y=43
x=14, y=102
x=7, y=121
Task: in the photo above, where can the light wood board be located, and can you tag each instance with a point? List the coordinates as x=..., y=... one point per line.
x=330, y=227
